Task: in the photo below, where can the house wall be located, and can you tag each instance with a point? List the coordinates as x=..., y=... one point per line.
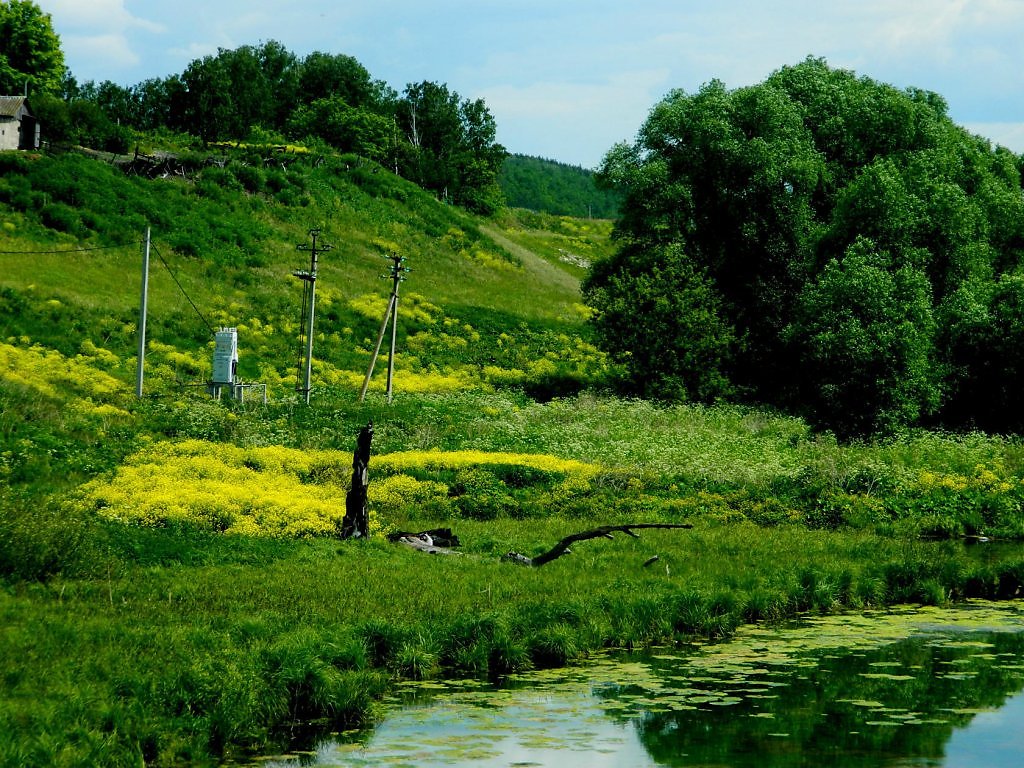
x=10, y=136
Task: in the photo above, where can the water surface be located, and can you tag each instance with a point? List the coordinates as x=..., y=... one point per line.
x=911, y=687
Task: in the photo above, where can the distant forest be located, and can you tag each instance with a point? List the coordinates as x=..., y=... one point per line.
x=556, y=188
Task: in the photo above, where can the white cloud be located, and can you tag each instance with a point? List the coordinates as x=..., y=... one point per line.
x=111, y=48
x=100, y=32
x=571, y=121
x=196, y=51
x=1009, y=135
x=95, y=15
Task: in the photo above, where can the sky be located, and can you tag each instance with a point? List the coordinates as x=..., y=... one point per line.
x=565, y=79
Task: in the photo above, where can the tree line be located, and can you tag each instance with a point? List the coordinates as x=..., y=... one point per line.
x=428, y=133
x=557, y=188
x=823, y=243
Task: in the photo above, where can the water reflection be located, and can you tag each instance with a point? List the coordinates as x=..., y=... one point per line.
x=927, y=687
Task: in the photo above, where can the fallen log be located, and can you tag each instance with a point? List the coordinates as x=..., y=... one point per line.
x=605, y=531
x=440, y=537
x=436, y=541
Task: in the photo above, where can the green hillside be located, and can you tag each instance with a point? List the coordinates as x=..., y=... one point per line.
x=229, y=235
x=556, y=188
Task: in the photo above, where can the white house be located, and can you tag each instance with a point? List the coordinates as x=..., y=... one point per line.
x=18, y=129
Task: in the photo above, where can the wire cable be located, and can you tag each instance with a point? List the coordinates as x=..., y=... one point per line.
x=180, y=288
x=74, y=250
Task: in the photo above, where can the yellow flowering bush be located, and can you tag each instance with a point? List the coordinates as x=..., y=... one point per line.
x=267, y=491
x=986, y=501
x=396, y=494
x=277, y=491
x=47, y=372
x=414, y=382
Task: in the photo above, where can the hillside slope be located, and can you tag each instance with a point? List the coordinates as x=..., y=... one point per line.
x=225, y=240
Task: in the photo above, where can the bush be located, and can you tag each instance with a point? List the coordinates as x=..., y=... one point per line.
x=39, y=540
x=62, y=218
x=250, y=177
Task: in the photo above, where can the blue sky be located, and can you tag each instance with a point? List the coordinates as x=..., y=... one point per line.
x=566, y=79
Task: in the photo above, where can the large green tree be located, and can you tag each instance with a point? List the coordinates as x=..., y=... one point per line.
x=772, y=192
x=30, y=51
x=451, y=145
x=661, y=321
x=864, y=330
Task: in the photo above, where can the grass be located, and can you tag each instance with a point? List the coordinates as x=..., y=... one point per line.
x=176, y=660
x=156, y=638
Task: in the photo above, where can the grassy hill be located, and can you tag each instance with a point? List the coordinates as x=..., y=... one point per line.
x=229, y=235
x=172, y=588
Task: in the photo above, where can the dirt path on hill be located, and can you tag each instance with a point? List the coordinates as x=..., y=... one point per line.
x=536, y=265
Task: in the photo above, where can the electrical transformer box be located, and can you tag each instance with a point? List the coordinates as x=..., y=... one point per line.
x=225, y=356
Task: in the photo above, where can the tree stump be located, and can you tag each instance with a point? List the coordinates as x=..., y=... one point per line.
x=356, y=523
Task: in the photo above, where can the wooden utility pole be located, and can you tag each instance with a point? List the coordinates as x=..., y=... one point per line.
x=398, y=272
x=308, y=311
x=144, y=301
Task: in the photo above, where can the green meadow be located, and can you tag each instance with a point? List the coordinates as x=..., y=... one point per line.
x=172, y=586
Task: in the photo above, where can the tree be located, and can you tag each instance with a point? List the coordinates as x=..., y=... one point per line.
x=349, y=129
x=660, y=319
x=324, y=76
x=772, y=192
x=451, y=145
x=865, y=335
x=227, y=94
x=30, y=51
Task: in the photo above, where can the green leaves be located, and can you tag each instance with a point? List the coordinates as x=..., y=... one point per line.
x=30, y=52
x=865, y=340
x=660, y=318
x=830, y=217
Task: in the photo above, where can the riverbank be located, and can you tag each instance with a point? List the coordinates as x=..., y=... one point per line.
x=202, y=647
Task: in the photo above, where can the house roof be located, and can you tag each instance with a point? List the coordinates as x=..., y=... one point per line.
x=10, y=105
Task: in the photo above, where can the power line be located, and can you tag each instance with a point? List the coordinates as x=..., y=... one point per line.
x=73, y=250
x=114, y=247
x=180, y=288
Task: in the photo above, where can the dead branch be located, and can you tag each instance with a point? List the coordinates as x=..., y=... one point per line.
x=605, y=531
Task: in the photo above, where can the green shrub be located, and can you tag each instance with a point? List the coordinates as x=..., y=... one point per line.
x=62, y=218
x=250, y=177
x=39, y=540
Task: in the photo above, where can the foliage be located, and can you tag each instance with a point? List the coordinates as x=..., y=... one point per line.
x=429, y=135
x=767, y=190
x=662, y=322
x=452, y=147
x=136, y=629
x=30, y=52
x=252, y=492
x=866, y=335
x=556, y=188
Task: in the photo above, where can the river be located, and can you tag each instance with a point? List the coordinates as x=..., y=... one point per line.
x=907, y=687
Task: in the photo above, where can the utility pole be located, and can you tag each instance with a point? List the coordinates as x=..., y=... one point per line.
x=142, y=317
x=308, y=312
x=398, y=272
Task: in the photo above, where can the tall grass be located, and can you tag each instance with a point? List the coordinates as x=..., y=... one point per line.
x=169, y=661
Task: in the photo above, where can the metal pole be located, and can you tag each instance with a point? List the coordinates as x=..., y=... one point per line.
x=394, y=326
x=142, y=317
x=309, y=322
